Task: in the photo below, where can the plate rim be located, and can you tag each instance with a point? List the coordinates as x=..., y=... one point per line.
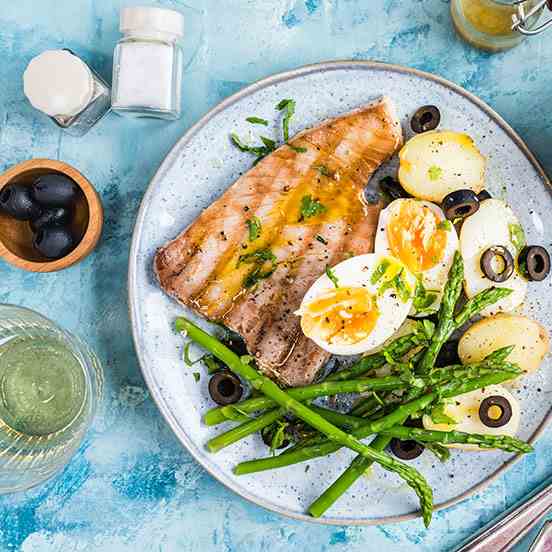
x=146, y=370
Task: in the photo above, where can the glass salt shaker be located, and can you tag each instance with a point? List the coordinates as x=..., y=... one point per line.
x=497, y=25
x=147, y=64
x=64, y=87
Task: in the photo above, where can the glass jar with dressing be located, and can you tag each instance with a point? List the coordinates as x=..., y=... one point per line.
x=147, y=64
x=497, y=25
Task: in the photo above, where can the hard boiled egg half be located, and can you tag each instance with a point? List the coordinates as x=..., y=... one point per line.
x=418, y=234
x=357, y=304
x=493, y=224
x=464, y=410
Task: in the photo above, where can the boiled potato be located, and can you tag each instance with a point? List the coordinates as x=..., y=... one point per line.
x=530, y=339
x=433, y=164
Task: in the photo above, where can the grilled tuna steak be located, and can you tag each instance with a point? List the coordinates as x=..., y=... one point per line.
x=249, y=258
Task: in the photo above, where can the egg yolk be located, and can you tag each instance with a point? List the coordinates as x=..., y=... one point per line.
x=342, y=316
x=414, y=235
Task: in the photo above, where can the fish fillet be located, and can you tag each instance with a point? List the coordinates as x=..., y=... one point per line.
x=250, y=257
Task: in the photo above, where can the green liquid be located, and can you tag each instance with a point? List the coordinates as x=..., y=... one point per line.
x=42, y=385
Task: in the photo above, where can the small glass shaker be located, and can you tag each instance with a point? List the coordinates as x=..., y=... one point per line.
x=64, y=87
x=147, y=64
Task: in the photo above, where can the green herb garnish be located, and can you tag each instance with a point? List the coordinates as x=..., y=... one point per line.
x=445, y=225
x=434, y=172
x=254, y=226
x=438, y=415
x=258, y=274
x=517, y=236
x=288, y=106
x=259, y=151
x=331, y=275
x=399, y=285
x=257, y=121
x=297, y=149
x=310, y=208
x=211, y=363
x=279, y=437
x=319, y=238
x=381, y=269
x=261, y=255
x=323, y=170
x=197, y=376
x=423, y=299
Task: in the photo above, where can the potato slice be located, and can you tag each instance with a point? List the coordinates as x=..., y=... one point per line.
x=433, y=164
x=530, y=339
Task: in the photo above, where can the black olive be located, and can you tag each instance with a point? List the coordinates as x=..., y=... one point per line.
x=406, y=450
x=448, y=355
x=426, y=118
x=534, y=262
x=495, y=401
x=460, y=204
x=268, y=433
x=55, y=190
x=56, y=216
x=16, y=201
x=392, y=188
x=225, y=388
x=483, y=195
x=54, y=242
x=488, y=259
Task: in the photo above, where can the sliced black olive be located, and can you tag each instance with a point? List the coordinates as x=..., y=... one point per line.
x=225, y=388
x=16, y=201
x=56, y=216
x=448, y=355
x=55, y=190
x=392, y=188
x=406, y=450
x=483, y=195
x=54, y=242
x=268, y=433
x=460, y=204
x=497, y=263
x=426, y=118
x=495, y=411
x=534, y=262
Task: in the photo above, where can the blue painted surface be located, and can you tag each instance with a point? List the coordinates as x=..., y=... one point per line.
x=132, y=487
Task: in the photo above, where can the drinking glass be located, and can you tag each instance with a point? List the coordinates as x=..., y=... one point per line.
x=50, y=385
x=488, y=24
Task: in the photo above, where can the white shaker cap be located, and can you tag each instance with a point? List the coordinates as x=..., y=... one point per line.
x=150, y=19
x=58, y=83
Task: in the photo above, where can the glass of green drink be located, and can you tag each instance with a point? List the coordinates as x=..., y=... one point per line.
x=50, y=385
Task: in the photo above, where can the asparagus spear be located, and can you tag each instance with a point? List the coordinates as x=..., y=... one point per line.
x=503, y=442
x=265, y=385
x=396, y=417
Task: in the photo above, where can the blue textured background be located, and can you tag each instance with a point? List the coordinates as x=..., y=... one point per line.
x=132, y=487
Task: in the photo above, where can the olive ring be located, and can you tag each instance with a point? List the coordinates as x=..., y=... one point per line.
x=460, y=204
x=426, y=118
x=225, y=388
x=495, y=401
x=534, y=261
x=406, y=450
x=487, y=263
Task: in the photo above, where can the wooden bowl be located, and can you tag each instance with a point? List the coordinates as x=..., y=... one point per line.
x=16, y=236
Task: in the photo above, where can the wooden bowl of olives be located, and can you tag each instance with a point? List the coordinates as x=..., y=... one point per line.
x=51, y=217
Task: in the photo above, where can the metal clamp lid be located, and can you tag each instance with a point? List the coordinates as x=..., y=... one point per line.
x=520, y=19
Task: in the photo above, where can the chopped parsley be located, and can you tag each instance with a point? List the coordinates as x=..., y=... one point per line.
x=212, y=364
x=381, y=269
x=399, y=285
x=278, y=437
x=297, y=149
x=259, y=151
x=517, y=236
x=331, y=275
x=261, y=255
x=319, y=238
x=255, y=228
x=445, y=225
x=434, y=172
x=257, y=275
x=288, y=107
x=197, y=376
x=186, y=355
x=257, y=121
x=310, y=208
x=323, y=170
x=438, y=415
x=423, y=299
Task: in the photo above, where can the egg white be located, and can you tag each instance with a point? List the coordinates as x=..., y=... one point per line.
x=464, y=409
x=357, y=272
x=435, y=278
x=490, y=226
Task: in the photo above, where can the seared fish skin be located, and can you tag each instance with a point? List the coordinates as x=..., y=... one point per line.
x=250, y=257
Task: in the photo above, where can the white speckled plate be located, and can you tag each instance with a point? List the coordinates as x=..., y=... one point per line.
x=203, y=164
